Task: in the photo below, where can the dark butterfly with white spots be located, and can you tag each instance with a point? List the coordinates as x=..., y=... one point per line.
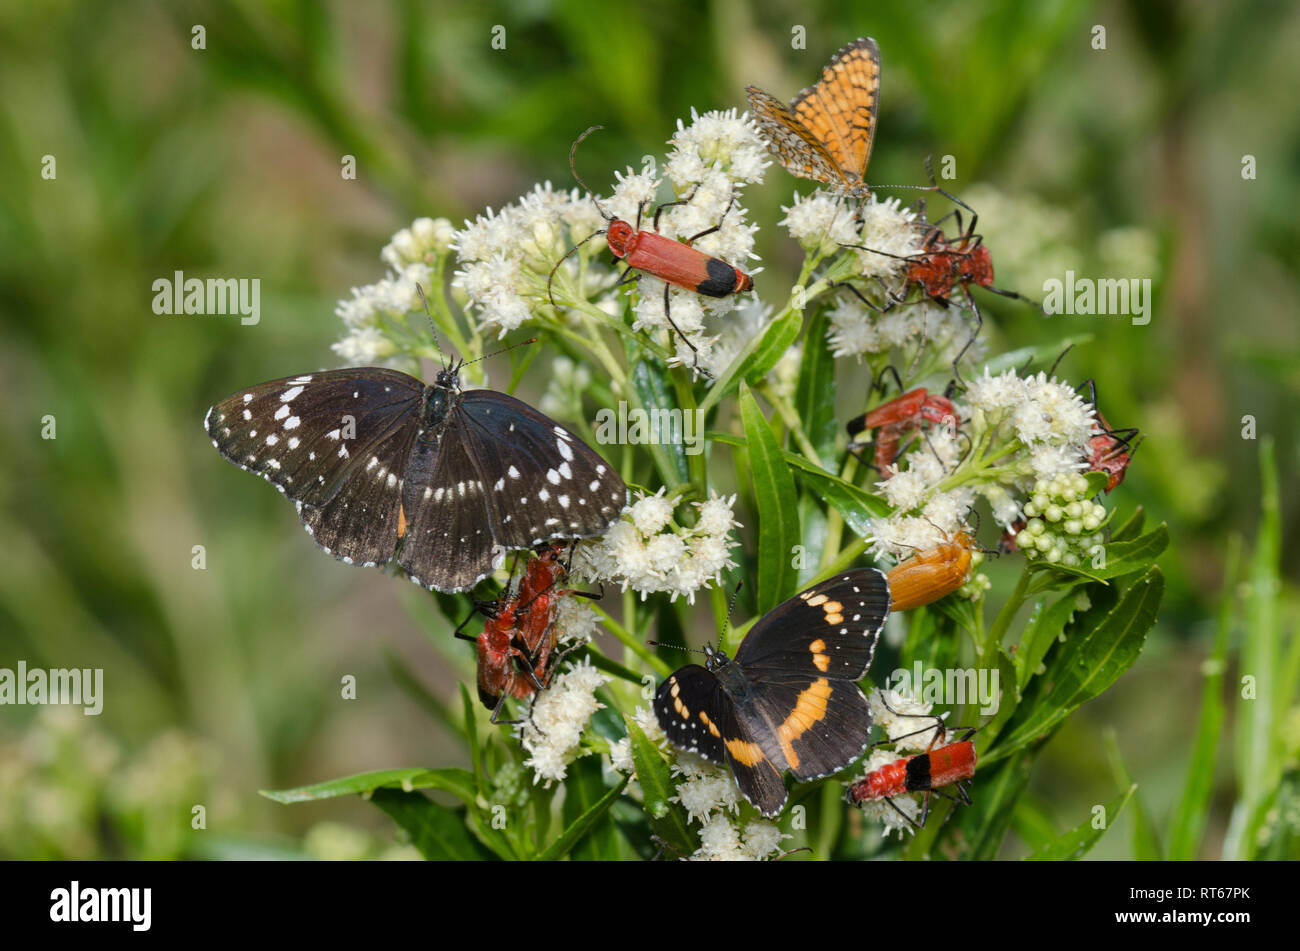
x=789, y=698
x=382, y=466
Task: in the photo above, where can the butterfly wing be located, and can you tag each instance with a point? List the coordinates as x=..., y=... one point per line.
x=499, y=476
x=336, y=442
x=699, y=716
x=794, y=145
x=692, y=708
x=448, y=543
x=828, y=631
x=840, y=110
x=544, y=482
x=818, y=725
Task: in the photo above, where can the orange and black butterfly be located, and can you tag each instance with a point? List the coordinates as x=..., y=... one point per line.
x=826, y=132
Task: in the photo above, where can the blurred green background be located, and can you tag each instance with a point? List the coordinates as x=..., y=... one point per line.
x=225, y=161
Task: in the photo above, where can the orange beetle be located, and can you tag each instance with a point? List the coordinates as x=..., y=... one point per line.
x=929, y=575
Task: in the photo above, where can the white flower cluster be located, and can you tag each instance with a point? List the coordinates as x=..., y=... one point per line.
x=716, y=140
x=553, y=731
x=507, y=255
x=1034, y=430
x=902, y=536
x=408, y=256
x=710, y=796
x=646, y=552
x=722, y=840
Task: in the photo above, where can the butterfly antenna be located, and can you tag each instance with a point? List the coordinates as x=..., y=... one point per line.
x=521, y=343
x=433, y=327
x=731, y=606
x=676, y=647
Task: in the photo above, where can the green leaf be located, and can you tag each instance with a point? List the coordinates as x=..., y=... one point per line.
x=1076, y=843
x=471, y=738
x=814, y=395
x=1092, y=658
x=584, y=787
x=857, y=505
x=1131, y=528
x=1122, y=558
x=778, y=514
x=667, y=819
x=653, y=388
x=438, y=832
x=1187, y=827
x=579, y=827
x=758, y=356
x=458, y=782
x=1033, y=823
x=1041, y=632
x=1146, y=841
x=1258, y=761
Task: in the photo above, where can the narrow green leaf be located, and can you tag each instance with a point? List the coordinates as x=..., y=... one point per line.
x=758, y=356
x=1187, y=827
x=857, y=505
x=572, y=835
x=655, y=392
x=471, y=737
x=1033, y=823
x=1131, y=527
x=667, y=819
x=583, y=788
x=814, y=396
x=1044, y=627
x=458, y=782
x=778, y=514
x=438, y=832
x=1258, y=768
x=1076, y=843
x=1090, y=660
x=1146, y=841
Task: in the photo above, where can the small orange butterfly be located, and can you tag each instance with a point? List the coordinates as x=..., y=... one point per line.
x=826, y=133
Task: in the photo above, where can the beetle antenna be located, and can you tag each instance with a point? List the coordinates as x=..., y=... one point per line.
x=573, y=167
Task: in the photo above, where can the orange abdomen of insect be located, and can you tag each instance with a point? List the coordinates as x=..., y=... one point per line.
x=931, y=574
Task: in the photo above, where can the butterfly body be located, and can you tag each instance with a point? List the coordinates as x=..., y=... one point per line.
x=826, y=132
x=787, y=700
x=382, y=467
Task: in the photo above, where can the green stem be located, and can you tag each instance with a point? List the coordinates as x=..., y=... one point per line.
x=630, y=642
x=1008, y=613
